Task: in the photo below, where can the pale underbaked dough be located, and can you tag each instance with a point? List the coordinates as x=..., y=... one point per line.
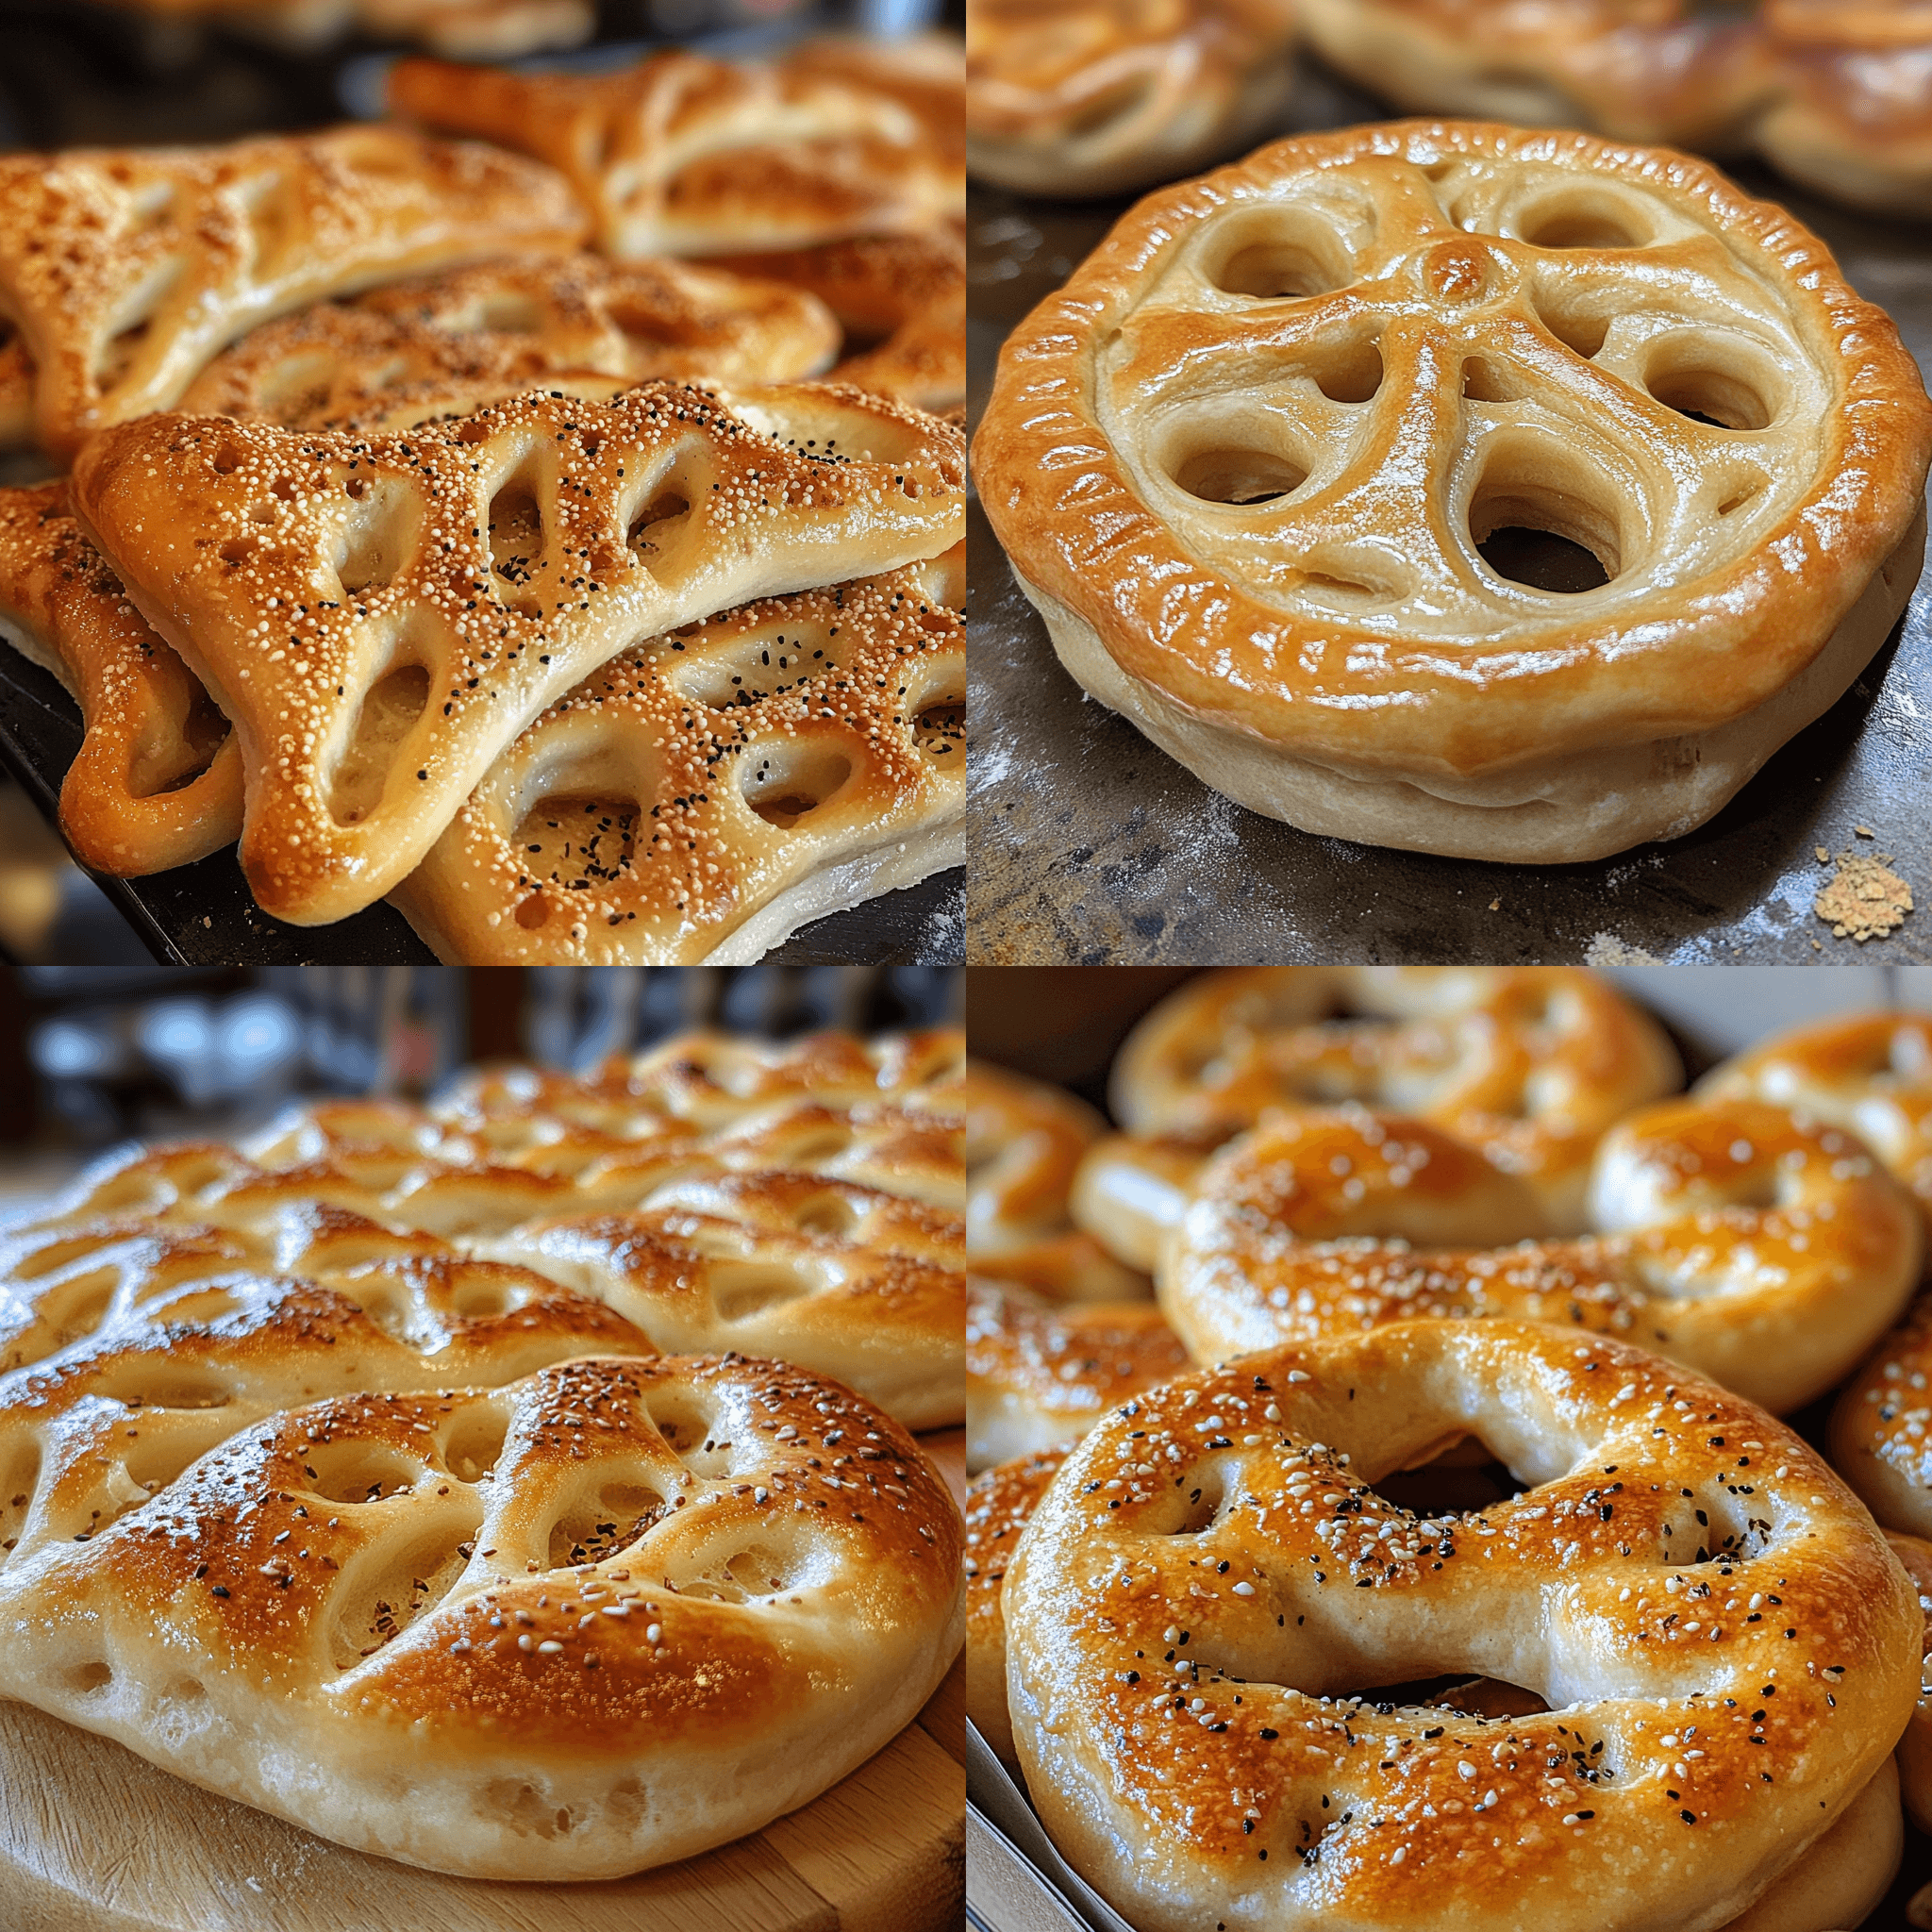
x=685, y=154
x=1172, y=1726
x=452, y=581
x=1097, y=96
x=1244, y=459
x=126, y=268
x=703, y=794
x=157, y=779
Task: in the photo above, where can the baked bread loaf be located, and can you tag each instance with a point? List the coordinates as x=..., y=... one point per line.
x=463, y=29
x=1023, y=1141
x=1038, y=1375
x=1881, y=1427
x=998, y=1507
x=704, y=793
x=157, y=779
x=1704, y=1601
x=503, y=327
x=1088, y=97
x=1764, y=1250
x=1914, y=1748
x=1869, y=1074
x=684, y=155
x=126, y=270
x=1529, y=1064
x=1247, y=461
x=445, y=585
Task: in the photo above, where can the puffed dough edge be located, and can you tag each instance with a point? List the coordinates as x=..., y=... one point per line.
x=1580, y=806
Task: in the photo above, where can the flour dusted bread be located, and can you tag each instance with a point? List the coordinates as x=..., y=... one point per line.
x=594, y=1621
x=157, y=779
x=126, y=270
x=685, y=154
x=434, y=589
x=1246, y=460
x=505, y=326
x=704, y=793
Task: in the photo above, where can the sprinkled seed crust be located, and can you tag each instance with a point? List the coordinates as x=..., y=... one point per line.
x=998, y=1503
x=1724, y=1691
x=380, y=615
x=127, y=268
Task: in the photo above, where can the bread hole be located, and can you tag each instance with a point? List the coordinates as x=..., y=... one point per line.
x=1739, y=494
x=175, y=762
x=533, y=913
x=84, y=1680
x=744, y=1288
x=1477, y=1697
x=1117, y=103
x=19, y=1477
x=481, y=1301
x=120, y=351
x=76, y=1307
x=691, y=1434
x=1195, y=1502
x=298, y=387
x=509, y=312
x=1488, y=379
x=271, y=215
x=1715, y=397
x=1347, y=590
x=827, y=1214
x=1574, y=219
x=388, y=714
x=517, y=537
x=1709, y=1527
x=507, y=1802
x=736, y=673
x=939, y=730
x=150, y=207
x=1351, y=373
x=379, y=1595
x=475, y=1444
x=1576, y=329
x=1240, y=477
x=1463, y=1481
x=786, y=782
x=752, y=1574
x=1275, y=254
x=651, y=531
x=1532, y=530
x=578, y=840
x=637, y=324
x=239, y=551
x=591, y=1531
x=355, y=1472
x=150, y=1382
x=377, y=541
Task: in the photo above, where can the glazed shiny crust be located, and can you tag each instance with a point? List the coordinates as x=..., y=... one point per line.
x=683, y=155
x=704, y=793
x=1175, y=1719
x=1025, y=1139
x=998, y=1503
x=570, y=532
x=1765, y=1251
x=508, y=325
x=1529, y=1064
x=1457, y=328
x=1881, y=1427
x=1081, y=97
x=1868, y=1072
x=127, y=268
x=463, y=29
x=596, y=1620
x=1036, y=1376
x=1914, y=1748
x=157, y=779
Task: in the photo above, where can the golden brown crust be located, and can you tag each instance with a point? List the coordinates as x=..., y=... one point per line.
x=463, y=29
x=1881, y=1428
x=693, y=797
x=1424, y=665
x=1024, y=1143
x=449, y=583
x=503, y=327
x=1914, y=1748
x=682, y=155
x=1036, y=1376
x=1530, y=1064
x=998, y=1507
x=1172, y=1716
x=126, y=270
x=157, y=779
x=1764, y=1250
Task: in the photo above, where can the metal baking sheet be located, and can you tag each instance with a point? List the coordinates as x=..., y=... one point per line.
x=1091, y=845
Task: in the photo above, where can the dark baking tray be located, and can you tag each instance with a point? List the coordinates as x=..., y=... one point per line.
x=1091, y=845
x=73, y=73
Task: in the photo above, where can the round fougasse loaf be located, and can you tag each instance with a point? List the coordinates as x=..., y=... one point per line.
x=598, y=1620
x=1248, y=463
x=1759, y=1248
x=1211, y=1579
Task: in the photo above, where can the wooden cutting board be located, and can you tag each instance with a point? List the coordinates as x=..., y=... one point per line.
x=93, y=1839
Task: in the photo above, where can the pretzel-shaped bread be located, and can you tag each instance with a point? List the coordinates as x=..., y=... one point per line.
x=463, y=29
x=999, y=1501
x=508, y=323
x=1530, y=1064
x=1759, y=1248
x=596, y=1620
x=1247, y=461
x=157, y=779
x=683, y=155
x=381, y=616
x=128, y=270
x=1869, y=1074
x=1086, y=97
x=1024, y=1143
x=1037, y=1375
x=704, y=793
x=926, y=73
x=1715, y=1713
x=903, y=294
x=841, y=1279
